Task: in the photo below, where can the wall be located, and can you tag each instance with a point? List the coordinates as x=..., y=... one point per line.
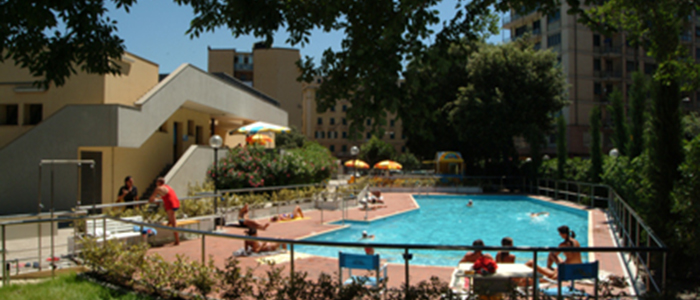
x=138, y=76
x=221, y=61
x=275, y=74
x=191, y=168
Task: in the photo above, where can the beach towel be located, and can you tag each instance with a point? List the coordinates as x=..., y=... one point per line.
x=295, y=219
x=146, y=230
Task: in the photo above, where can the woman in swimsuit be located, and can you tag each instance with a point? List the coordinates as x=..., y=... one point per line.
x=297, y=214
x=571, y=257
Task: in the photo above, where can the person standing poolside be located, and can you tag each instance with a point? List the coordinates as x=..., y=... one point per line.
x=170, y=203
x=571, y=257
x=473, y=256
x=245, y=222
x=505, y=256
x=128, y=192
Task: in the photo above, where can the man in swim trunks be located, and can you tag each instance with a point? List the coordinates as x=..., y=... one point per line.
x=571, y=257
x=258, y=247
x=505, y=256
x=170, y=203
x=473, y=256
x=297, y=214
x=245, y=222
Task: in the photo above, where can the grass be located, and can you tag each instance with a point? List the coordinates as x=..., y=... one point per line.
x=64, y=287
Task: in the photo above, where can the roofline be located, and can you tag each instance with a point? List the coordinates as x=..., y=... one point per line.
x=141, y=58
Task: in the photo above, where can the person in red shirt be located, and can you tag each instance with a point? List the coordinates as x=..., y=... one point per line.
x=170, y=203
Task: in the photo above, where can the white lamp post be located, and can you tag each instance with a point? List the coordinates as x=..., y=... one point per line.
x=215, y=141
x=614, y=153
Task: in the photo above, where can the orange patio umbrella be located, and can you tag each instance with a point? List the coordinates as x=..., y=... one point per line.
x=357, y=164
x=388, y=165
x=258, y=139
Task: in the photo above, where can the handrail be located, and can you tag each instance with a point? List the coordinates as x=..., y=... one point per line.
x=243, y=190
x=638, y=218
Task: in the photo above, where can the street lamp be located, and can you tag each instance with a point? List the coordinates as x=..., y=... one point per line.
x=354, y=151
x=614, y=153
x=216, y=142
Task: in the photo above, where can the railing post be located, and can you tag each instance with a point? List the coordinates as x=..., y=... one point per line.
x=663, y=274
x=407, y=256
x=5, y=279
x=535, y=280
x=291, y=261
x=556, y=189
x=578, y=193
x=648, y=262
x=204, y=254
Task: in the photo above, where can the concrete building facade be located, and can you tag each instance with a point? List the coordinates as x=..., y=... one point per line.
x=137, y=123
x=594, y=65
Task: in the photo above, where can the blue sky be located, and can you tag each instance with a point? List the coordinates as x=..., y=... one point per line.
x=155, y=30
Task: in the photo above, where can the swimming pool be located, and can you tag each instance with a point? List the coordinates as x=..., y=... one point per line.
x=446, y=220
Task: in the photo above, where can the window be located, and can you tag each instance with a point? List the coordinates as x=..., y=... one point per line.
x=198, y=137
x=537, y=46
x=608, y=65
x=556, y=16
x=190, y=127
x=332, y=148
x=697, y=30
x=345, y=122
x=344, y=148
x=318, y=80
x=345, y=108
x=32, y=114
x=608, y=89
x=697, y=53
x=330, y=134
x=631, y=67
x=596, y=64
x=319, y=121
x=520, y=31
x=333, y=108
x=597, y=88
x=369, y=135
x=391, y=123
x=345, y=134
x=536, y=27
x=163, y=128
x=392, y=135
x=323, y=134
x=9, y=114
x=369, y=122
x=332, y=121
x=403, y=149
x=596, y=40
x=554, y=39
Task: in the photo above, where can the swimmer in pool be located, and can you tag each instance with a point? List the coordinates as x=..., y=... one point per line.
x=366, y=236
x=542, y=213
x=470, y=204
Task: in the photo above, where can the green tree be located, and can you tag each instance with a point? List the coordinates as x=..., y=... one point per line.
x=52, y=39
x=511, y=89
x=376, y=150
x=691, y=125
x=408, y=161
x=686, y=196
x=561, y=146
x=637, y=108
x=596, y=151
x=617, y=110
x=289, y=140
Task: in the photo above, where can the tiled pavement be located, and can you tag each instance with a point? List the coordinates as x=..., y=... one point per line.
x=221, y=248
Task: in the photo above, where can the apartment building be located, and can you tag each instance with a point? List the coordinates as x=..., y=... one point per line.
x=594, y=65
x=331, y=128
x=138, y=123
x=272, y=71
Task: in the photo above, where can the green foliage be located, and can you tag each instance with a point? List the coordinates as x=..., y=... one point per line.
x=68, y=286
x=54, y=38
x=408, y=161
x=113, y=259
x=290, y=140
x=596, y=151
x=376, y=150
x=562, y=154
x=253, y=166
x=617, y=110
x=686, y=203
x=637, y=107
x=691, y=125
x=511, y=89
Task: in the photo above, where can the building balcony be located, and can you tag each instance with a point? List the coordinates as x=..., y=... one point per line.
x=686, y=37
x=513, y=17
x=609, y=51
x=243, y=67
x=608, y=75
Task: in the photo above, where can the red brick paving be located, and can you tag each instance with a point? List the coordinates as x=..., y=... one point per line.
x=221, y=248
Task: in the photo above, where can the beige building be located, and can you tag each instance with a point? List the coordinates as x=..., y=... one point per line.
x=331, y=128
x=594, y=65
x=272, y=71
x=139, y=124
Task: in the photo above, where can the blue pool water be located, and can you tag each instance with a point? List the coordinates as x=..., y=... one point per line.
x=446, y=220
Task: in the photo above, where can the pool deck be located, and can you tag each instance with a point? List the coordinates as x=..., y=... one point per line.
x=220, y=248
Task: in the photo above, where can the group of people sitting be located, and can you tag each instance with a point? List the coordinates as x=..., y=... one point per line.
x=253, y=227
x=553, y=258
x=372, y=201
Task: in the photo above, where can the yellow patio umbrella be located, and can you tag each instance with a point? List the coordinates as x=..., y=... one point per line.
x=356, y=163
x=259, y=139
x=388, y=165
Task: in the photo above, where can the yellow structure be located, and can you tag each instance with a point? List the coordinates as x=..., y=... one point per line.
x=449, y=162
x=331, y=128
x=594, y=65
x=131, y=124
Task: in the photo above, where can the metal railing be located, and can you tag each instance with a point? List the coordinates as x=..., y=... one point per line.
x=634, y=236
x=408, y=248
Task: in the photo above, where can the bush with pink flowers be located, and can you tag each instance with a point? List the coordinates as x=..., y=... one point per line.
x=254, y=166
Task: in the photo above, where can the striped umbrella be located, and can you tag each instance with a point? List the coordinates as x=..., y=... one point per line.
x=388, y=165
x=258, y=139
x=357, y=164
x=261, y=127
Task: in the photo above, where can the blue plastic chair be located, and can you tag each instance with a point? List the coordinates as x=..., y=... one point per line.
x=362, y=262
x=574, y=272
